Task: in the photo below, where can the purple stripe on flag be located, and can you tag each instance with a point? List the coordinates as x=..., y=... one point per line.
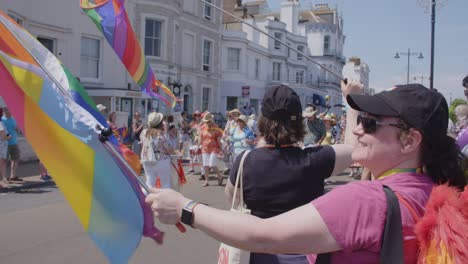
x=107, y=14
x=120, y=38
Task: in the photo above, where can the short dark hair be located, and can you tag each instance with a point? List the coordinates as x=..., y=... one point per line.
x=465, y=82
x=170, y=118
x=281, y=132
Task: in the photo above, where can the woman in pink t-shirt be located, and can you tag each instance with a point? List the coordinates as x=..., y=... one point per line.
x=402, y=140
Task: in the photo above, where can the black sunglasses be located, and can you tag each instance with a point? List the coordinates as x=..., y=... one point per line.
x=369, y=125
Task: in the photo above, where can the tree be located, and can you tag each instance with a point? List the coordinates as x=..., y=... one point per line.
x=454, y=104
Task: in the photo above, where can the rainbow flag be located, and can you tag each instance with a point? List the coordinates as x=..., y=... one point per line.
x=59, y=120
x=111, y=19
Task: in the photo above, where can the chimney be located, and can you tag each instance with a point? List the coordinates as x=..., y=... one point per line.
x=290, y=15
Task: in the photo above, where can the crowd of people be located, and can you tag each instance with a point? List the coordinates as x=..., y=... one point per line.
x=401, y=136
x=402, y=139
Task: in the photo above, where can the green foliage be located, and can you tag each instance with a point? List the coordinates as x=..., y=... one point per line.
x=454, y=104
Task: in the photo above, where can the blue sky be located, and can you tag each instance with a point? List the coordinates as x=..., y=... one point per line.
x=376, y=29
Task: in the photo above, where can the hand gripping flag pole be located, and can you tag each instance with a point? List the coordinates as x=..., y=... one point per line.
x=276, y=39
x=104, y=137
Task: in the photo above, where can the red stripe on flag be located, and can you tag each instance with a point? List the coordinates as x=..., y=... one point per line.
x=128, y=57
x=12, y=93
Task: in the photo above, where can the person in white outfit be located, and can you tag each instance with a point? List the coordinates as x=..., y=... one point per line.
x=156, y=152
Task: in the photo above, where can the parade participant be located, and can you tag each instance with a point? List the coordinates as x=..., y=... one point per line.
x=230, y=127
x=4, y=137
x=195, y=151
x=137, y=127
x=44, y=172
x=401, y=139
x=210, y=141
x=156, y=152
x=462, y=137
x=242, y=138
x=102, y=109
x=315, y=129
x=461, y=112
x=172, y=136
x=277, y=175
x=111, y=119
x=13, y=150
x=252, y=123
x=184, y=129
x=329, y=122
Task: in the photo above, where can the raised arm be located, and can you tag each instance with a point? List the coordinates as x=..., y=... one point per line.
x=343, y=151
x=308, y=234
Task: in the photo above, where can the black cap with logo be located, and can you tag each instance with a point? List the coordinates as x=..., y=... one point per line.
x=281, y=103
x=420, y=107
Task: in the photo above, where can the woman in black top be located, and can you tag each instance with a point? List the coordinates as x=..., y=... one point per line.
x=278, y=175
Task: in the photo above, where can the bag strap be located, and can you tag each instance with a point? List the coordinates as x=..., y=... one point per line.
x=392, y=243
x=410, y=208
x=391, y=251
x=240, y=172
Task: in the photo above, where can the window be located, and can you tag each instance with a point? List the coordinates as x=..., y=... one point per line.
x=300, y=49
x=289, y=50
x=257, y=68
x=300, y=77
x=207, y=46
x=233, y=62
x=276, y=71
x=205, y=99
x=231, y=103
x=48, y=43
x=207, y=12
x=90, y=57
x=277, y=42
x=326, y=44
x=153, y=37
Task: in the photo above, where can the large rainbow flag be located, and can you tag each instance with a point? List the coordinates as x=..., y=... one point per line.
x=112, y=20
x=59, y=120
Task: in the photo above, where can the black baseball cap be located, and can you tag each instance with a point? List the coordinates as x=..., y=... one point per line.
x=281, y=103
x=420, y=107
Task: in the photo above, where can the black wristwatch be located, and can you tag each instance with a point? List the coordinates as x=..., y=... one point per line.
x=187, y=216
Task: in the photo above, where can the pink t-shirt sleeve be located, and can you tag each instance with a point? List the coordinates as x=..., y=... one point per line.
x=355, y=215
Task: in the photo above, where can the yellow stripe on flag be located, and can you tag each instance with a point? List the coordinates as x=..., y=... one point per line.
x=30, y=83
x=69, y=160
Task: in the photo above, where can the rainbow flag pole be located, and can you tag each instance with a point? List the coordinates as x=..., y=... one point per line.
x=103, y=137
x=59, y=120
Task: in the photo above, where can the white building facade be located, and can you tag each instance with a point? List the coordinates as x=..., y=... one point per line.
x=180, y=38
x=357, y=70
x=253, y=62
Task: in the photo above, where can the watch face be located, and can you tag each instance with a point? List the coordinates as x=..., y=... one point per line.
x=187, y=217
x=176, y=90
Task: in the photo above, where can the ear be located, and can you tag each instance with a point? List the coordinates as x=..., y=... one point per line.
x=410, y=141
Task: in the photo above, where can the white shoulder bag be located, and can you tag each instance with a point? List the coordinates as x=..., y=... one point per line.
x=228, y=254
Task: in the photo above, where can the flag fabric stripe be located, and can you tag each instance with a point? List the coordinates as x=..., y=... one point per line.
x=117, y=29
x=11, y=42
x=50, y=108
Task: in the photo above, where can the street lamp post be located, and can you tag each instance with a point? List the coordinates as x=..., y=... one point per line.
x=409, y=54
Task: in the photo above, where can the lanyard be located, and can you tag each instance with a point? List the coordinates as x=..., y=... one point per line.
x=281, y=146
x=396, y=171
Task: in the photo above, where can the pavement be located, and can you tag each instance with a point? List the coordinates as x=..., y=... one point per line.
x=29, y=173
